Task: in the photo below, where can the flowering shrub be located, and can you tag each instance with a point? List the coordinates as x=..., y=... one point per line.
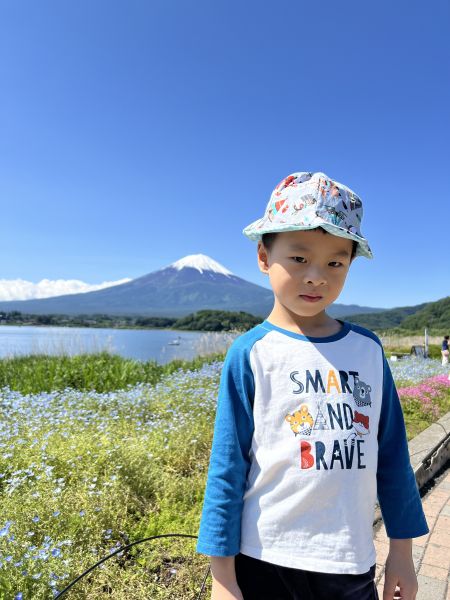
x=425, y=402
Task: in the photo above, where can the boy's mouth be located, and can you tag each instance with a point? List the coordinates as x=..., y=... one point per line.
x=308, y=298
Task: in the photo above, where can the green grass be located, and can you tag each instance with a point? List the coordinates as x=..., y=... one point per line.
x=101, y=372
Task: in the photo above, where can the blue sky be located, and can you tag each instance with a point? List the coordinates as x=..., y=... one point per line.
x=133, y=133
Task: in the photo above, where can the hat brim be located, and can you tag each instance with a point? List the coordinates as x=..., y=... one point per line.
x=255, y=231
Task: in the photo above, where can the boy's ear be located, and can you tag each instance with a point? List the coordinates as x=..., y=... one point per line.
x=263, y=259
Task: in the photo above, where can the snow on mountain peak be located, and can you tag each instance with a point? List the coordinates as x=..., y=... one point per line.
x=201, y=262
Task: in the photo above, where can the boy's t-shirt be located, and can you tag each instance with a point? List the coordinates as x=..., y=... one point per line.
x=308, y=431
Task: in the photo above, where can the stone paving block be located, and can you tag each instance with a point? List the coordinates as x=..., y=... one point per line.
x=432, y=511
x=423, y=539
x=435, y=498
x=441, y=538
x=439, y=494
x=379, y=569
x=381, y=535
x=382, y=550
x=417, y=554
x=438, y=502
x=430, y=588
x=432, y=508
x=437, y=556
x=431, y=552
x=443, y=522
x=431, y=522
x=435, y=572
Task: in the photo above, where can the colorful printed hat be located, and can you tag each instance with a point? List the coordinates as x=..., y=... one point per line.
x=310, y=200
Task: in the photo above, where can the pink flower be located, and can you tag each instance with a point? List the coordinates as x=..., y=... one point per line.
x=425, y=392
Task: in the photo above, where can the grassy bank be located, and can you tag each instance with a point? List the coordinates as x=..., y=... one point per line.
x=101, y=372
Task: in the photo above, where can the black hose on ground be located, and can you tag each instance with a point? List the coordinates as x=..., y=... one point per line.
x=121, y=549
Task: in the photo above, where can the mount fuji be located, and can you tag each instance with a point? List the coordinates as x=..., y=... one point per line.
x=192, y=283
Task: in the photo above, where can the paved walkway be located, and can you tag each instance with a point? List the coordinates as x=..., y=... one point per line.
x=431, y=552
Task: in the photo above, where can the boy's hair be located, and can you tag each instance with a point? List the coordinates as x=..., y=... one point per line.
x=268, y=239
x=446, y=337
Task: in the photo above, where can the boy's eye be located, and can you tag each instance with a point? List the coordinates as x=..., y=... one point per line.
x=335, y=264
x=299, y=259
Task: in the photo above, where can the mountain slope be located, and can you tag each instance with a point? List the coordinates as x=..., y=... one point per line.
x=195, y=282
x=384, y=319
x=434, y=315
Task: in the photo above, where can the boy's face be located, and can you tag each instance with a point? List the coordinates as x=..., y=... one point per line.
x=307, y=271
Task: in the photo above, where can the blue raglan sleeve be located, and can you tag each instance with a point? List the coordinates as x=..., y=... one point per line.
x=398, y=494
x=220, y=525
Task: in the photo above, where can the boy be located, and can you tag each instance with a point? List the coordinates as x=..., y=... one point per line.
x=309, y=427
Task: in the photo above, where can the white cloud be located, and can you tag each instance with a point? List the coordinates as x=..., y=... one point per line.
x=19, y=289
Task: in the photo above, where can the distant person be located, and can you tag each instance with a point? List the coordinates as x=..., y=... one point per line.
x=309, y=427
x=444, y=350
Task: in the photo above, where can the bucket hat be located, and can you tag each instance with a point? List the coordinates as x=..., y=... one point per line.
x=309, y=200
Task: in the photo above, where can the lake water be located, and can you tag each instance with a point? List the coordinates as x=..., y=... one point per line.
x=141, y=344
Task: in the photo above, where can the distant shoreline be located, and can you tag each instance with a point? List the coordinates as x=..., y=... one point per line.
x=201, y=321
x=32, y=324
x=127, y=327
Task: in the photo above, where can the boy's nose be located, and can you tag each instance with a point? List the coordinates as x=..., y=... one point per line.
x=314, y=277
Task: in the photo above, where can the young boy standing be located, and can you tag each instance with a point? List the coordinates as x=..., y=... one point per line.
x=309, y=428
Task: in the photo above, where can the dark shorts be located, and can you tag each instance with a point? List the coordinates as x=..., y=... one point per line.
x=261, y=580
